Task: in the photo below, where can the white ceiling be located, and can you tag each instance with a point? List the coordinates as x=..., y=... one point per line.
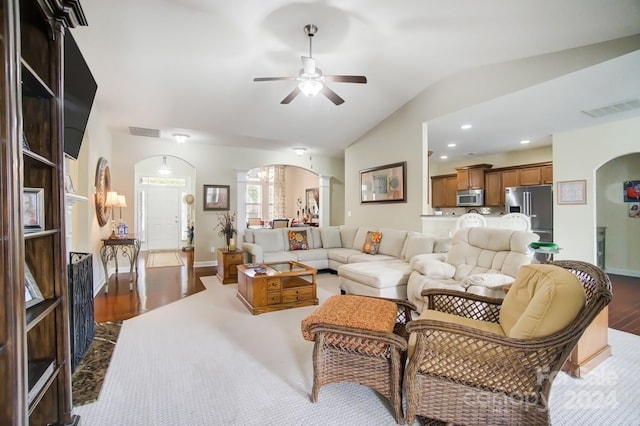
x=188, y=66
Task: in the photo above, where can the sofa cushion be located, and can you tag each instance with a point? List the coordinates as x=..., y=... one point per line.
x=342, y=255
x=543, y=300
x=347, y=235
x=281, y=256
x=364, y=257
x=298, y=240
x=306, y=256
x=361, y=237
x=487, y=280
x=442, y=245
x=488, y=250
x=377, y=274
x=418, y=244
x=392, y=242
x=270, y=240
x=330, y=237
x=315, y=239
x=372, y=242
x=433, y=268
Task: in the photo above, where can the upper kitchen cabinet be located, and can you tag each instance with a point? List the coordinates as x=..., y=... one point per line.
x=494, y=191
x=471, y=177
x=443, y=190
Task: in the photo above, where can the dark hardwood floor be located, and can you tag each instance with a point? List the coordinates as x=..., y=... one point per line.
x=159, y=286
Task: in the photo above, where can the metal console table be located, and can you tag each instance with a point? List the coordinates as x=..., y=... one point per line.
x=128, y=247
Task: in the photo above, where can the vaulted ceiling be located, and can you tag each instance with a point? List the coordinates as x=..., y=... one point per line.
x=187, y=66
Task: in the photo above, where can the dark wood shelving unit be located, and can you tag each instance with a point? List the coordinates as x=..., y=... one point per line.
x=35, y=355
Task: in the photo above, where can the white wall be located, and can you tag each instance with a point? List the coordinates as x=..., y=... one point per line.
x=577, y=155
x=400, y=136
x=214, y=164
x=622, y=247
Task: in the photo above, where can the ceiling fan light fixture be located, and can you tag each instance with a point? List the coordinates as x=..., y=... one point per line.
x=310, y=88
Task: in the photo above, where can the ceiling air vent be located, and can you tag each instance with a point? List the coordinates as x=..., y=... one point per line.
x=616, y=108
x=141, y=131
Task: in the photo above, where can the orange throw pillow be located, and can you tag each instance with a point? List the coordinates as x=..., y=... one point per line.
x=372, y=242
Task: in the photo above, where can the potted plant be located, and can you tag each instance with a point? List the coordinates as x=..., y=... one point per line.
x=226, y=228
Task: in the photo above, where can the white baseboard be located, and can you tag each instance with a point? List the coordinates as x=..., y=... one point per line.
x=625, y=272
x=204, y=264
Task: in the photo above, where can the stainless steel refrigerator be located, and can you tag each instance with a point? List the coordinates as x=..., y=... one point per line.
x=537, y=203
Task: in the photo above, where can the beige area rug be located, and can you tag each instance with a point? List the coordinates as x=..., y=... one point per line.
x=205, y=360
x=163, y=259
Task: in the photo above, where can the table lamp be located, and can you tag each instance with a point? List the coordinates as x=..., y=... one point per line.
x=112, y=201
x=123, y=229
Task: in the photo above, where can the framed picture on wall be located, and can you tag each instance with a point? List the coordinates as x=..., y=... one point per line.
x=384, y=183
x=216, y=197
x=572, y=192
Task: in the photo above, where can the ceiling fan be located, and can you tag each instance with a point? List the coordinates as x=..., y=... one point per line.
x=310, y=78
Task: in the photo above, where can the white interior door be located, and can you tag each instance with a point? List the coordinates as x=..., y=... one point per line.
x=163, y=213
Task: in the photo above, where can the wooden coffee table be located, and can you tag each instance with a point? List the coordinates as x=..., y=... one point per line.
x=283, y=285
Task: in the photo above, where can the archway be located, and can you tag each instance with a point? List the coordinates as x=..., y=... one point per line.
x=163, y=214
x=278, y=191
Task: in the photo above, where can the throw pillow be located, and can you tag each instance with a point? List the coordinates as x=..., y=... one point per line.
x=298, y=240
x=372, y=242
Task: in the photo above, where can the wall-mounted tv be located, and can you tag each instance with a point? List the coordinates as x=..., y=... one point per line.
x=79, y=91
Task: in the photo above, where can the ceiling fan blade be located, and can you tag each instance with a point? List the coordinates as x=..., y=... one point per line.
x=333, y=96
x=273, y=78
x=295, y=92
x=346, y=78
x=308, y=64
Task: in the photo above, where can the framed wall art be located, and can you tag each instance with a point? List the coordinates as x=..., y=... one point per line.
x=384, y=183
x=33, y=209
x=631, y=191
x=572, y=192
x=32, y=293
x=216, y=197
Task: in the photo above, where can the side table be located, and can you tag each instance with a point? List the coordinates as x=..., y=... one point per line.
x=228, y=262
x=129, y=247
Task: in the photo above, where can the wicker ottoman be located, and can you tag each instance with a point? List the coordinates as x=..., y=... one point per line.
x=363, y=340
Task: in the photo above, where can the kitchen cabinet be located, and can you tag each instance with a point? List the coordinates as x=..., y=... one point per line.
x=510, y=178
x=443, y=190
x=471, y=177
x=494, y=191
x=547, y=174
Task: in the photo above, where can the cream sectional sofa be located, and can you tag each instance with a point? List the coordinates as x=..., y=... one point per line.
x=340, y=248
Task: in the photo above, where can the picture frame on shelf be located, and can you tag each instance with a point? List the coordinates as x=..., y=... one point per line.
x=572, y=192
x=32, y=293
x=216, y=197
x=68, y=184
x=384, y=184
x=33, y=209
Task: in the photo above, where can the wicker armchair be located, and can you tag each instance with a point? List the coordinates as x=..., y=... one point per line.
x=464, y=375
x=370, y=358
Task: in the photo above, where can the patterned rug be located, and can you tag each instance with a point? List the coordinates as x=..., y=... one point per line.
x=89, y=375
x=163, y=259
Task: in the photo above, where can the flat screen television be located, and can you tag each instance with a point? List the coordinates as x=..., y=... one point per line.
x=79, y=91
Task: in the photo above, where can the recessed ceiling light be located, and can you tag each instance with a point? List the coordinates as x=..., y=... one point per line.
x=180, y=137
x=443, y=157
x=465, y=126
x=451, y=145
x=525, y=141
x=299, y=151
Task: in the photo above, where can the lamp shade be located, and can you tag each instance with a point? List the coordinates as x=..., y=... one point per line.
x=112, y=199
x=122, y=201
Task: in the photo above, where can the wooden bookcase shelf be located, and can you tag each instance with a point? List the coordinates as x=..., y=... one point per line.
x=35, y=355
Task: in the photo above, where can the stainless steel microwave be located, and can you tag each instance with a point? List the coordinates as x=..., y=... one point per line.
x=470, y=198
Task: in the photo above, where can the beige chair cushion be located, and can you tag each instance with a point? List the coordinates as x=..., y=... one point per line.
x=543, y=300
x=428, y=314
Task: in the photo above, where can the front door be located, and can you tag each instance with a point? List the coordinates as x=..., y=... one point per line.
x=163, y=213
